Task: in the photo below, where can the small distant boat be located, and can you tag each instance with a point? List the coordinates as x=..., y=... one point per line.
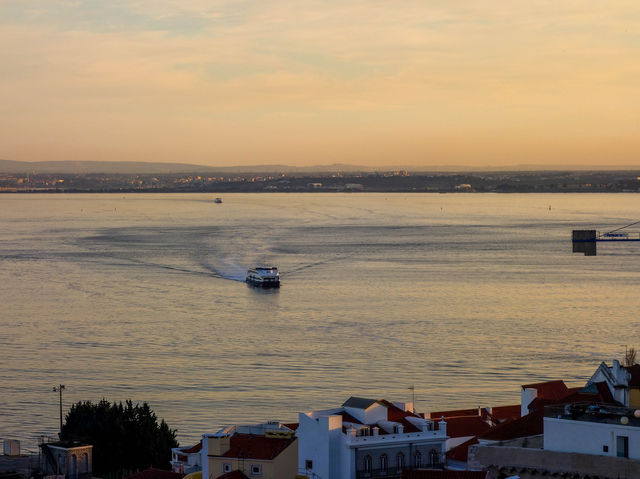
x=218, y=200
x=263, y=277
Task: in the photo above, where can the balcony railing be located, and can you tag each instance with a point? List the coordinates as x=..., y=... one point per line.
x=392, y=472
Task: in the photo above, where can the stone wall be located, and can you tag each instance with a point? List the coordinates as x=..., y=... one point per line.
x=530, y=463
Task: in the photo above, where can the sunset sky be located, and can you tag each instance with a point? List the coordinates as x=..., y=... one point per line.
x=366, y=82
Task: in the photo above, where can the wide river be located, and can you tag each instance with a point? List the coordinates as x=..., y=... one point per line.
x=467, y=296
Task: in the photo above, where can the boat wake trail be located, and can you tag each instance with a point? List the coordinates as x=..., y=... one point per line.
x=315, y=264
x=227, y=269
x=213, y=274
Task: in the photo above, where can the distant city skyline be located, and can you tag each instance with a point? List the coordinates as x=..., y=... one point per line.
x=380, y=84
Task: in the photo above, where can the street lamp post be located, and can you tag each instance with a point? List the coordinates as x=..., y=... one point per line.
x=59, y=389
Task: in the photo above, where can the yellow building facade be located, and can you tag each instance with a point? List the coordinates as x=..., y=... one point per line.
x=265, y=455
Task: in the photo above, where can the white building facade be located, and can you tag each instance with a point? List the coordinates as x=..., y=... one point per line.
x=596, y=430
x=185, y=460
x=617, y=379
x=368, y=438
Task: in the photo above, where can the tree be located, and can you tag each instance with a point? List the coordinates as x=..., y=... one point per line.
x=124, y=437
x=630, y=357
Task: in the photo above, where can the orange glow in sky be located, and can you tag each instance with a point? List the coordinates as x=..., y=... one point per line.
x=367, y=82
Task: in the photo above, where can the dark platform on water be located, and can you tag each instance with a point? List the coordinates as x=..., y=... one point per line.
x=584, y=241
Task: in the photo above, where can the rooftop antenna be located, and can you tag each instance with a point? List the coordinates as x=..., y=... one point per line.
x=59, y=389
x=412, y=388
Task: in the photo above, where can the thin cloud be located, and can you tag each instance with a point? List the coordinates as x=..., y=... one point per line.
x=342, y=76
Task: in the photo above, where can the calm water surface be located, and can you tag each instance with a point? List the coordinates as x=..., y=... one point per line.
x=140, y=296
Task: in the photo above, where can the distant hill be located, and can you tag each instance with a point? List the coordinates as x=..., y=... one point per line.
x=83, y=167
x=155, y=168
x=140, y=167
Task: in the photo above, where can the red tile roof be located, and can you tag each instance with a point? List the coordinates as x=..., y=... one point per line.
x=605, y=392
x=233, y=475
x=504, y=413
x=257, y=447
x=596, y=393
x=634, y=370
x=549, y=389
x=434, y=474
x=466, y=426
x=455, y=412
x=193, y=449
x=153, y=473
x=395, y=414
x=292, y=425
x=529, y=425
x=496, y=413
x=461, y=451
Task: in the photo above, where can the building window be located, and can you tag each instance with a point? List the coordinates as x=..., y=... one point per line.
x=383, y=464
x=226, y=467
x=74, y=467
x=605, y=448
x=434, y=457
x=367, y=464
x=308, y=464
x=256, y=470
x=623, y=446
x=417, y=459
x=400, y=462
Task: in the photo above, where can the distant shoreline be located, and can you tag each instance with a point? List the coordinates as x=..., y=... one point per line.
x=399, y=181
x=114, y=192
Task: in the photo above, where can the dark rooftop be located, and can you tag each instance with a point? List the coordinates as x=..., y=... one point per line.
x=601, y=413
x=359, y=403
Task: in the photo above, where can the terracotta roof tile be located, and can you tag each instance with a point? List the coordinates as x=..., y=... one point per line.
x=596, y=393
x=395, y=414
x=153, y=473
x=233, y=475
x=193, y=449
x=634, y=370
x=605, y=392
x=503, y=413
x=496, y=413
x=549, y=389
x=455, y=412
x=466, y=426
x=461, y=451
x=529, y=425
x=256, y=447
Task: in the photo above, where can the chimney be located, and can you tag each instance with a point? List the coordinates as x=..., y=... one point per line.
x=218, y=445
x=442, y=426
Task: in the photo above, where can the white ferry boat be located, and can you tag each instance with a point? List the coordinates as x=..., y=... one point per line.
x=264, y=277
